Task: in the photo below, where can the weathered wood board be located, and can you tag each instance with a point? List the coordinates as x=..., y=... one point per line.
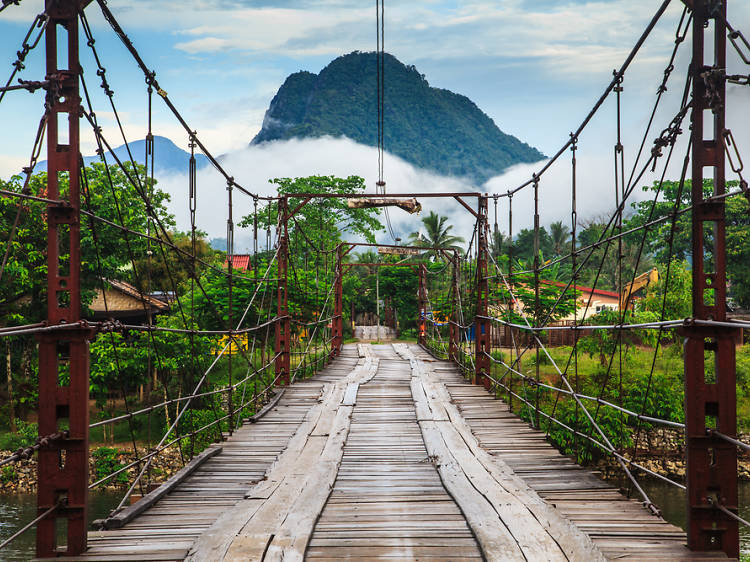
x=400, y=460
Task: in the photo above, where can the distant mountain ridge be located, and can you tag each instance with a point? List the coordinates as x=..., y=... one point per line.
x=168, y=157
x=429, y=127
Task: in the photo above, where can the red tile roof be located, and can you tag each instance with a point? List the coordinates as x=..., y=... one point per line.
x=240, y=262
x=585, y=289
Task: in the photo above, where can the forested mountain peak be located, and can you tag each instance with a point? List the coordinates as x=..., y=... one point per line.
x=429, y=127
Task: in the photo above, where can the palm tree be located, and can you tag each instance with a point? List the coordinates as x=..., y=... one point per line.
x=560, y=235
x=437, y=235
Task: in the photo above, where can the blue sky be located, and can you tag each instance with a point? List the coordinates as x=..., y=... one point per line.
x=534, y=66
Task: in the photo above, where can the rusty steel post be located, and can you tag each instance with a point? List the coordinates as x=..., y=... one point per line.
x=283, y=325
x=710, y=399
x=422, y=304
x=453, y=331
x=338, y=305
x=63, y=467
x=481, y=321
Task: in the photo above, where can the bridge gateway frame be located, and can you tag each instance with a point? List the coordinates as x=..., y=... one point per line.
x=711, y=455
x=481, y=319
x=342, y=268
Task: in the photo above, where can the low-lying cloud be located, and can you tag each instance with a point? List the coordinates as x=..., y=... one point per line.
x=254, y=166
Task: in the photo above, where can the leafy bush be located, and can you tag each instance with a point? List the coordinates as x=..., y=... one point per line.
x=8, y=474
x=25, y=436
x=106, y=462
x=193, y=420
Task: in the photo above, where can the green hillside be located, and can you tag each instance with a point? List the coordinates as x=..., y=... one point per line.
x=429, y=127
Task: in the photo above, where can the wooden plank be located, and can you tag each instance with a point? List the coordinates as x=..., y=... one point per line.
x=296, y=487
x=131, y=512
x=350, y=396
x=279, y=393
x=388, y=501
x=507, y=496
x=578, y=494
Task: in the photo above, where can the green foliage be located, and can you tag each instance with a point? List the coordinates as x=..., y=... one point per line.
x=678, y=301
x=320, y=222
x=25, y=436
x=437, y=235
x=171, y=269
x=550, y=306
x=658, y=395
x=106, y=461
x=106, y=253
x=194, y=419
x=428, y=127
x=523, y=245
x=8, y=474
x=559, y=238
x=737, y=231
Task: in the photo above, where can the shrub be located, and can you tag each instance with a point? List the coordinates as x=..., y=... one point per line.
x=8, y=474
x=25, y=436
x=106, y=462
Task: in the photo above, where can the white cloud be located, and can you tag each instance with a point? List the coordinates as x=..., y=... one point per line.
x=204, y=45
x=254, y=166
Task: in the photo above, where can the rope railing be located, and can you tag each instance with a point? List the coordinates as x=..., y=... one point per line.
x=618, y=75
x=24, y=453
x=163, y=446
x=606, y=448
x=234, y=386
x=586, y=327
x=533, y=382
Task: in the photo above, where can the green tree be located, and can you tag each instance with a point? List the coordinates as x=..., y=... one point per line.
x=658, y=236
x=319, y=224
x=106, y=251
x=317, y=227
x=523, y=245
x=499, y=245
x=437, y=234
x=560, y=238
x=679, y=293
x=168, y=268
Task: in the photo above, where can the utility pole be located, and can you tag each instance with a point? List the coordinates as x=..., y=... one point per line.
x=710, y=400
x=63, y=466
x=481, y=321
x=422, y=305
x=338, y=305
x=377, y=298
x=453, y=331
x=282, y=331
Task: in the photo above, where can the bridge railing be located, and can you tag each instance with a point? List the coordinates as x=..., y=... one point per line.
x=505, y=334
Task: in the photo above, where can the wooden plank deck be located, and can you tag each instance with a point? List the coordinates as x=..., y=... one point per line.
x=168, y=530
x=621, y=528
x=388, y=501
x=389, y=454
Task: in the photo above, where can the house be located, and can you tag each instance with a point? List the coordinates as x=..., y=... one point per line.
x=122, y=301
x=240, y=262
x=590, y=301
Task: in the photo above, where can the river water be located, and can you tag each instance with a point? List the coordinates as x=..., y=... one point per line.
x=16, y=510
x=671, y=500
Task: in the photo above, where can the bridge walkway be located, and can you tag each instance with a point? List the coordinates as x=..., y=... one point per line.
x=390, y=454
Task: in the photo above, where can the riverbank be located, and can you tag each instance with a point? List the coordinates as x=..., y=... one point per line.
x=663, y=451
x=21, y=477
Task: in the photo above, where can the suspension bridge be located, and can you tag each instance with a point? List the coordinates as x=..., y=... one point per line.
x=298, y=445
